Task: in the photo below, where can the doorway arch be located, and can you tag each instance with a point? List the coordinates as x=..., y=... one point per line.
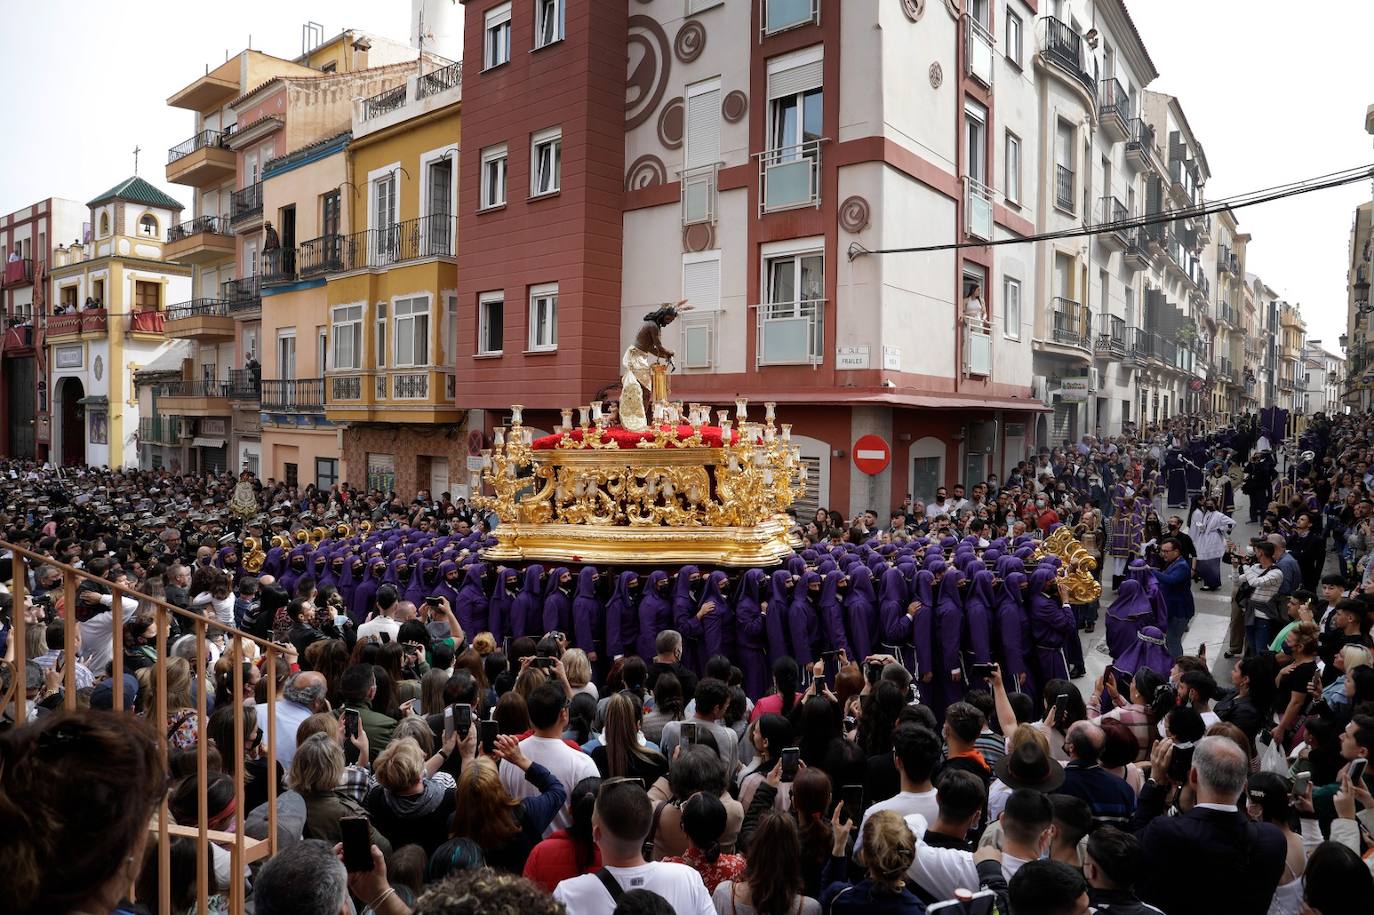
x=70, y=428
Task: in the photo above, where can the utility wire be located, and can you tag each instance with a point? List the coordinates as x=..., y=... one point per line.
x=1239, y=201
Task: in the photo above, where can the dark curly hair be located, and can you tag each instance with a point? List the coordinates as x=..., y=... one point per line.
x=484, y=891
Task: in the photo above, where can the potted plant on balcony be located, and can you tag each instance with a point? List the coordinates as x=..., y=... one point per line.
x=1186, y=334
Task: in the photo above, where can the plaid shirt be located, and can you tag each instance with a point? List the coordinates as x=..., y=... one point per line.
x=1133, y=716
x=84, y=677
x=357, y=781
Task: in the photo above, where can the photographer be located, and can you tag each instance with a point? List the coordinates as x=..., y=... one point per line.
x=1263, y=579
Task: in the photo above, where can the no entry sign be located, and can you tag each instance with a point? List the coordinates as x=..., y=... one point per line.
x=872, y=454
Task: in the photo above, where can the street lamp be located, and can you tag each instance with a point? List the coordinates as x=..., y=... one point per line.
x=1361, y=288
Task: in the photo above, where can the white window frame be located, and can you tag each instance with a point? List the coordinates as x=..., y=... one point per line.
x=705, y=310
x=346, y=322
x=449, y=152
x=404, y=317
x=494, y=159
x=496, y=37
x=559, y=9
x=546, y=143
x=1015, y=37
x=283, y=334
x=154, y=233
x=540, y=296
x=1011, y=167
x=449, y=338
x=1011, y=324
x=484, y=300
x=379, y=340
x=374, y=177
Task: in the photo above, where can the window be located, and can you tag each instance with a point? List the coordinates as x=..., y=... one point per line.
x=1012, y=161
x=493, y=177
x=544, y=317
x=793, y=314
x=450, y=330
x=321, y=349
x=286, y=353
x=976, y=134
x=348, y=337
x=381, y=335
x=98, y=291
x=147, y=225
x=497, y=50
x=1011, y=308
x=491, y=316
x=384, y=218
x=290, y=474
x=1013, y=38
x=700, y=287
x=795, y=123
x=439, y=175
x=69, y=296
x=703, y=118
x=412, y=331
x=548, y=22
x=546, y=162
x=147, y=296
x=381, y=472
x=104, y=224
x=326, y=473
x=1064, y=166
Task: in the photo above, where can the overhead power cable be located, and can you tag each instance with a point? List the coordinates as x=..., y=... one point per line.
x=1239, y=201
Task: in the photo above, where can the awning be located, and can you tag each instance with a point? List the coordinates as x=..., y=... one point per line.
x=201, y=442
x=94, y=400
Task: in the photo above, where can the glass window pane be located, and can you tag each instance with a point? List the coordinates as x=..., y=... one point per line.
x=813, y=118
x=813, y=277
x=782, y=280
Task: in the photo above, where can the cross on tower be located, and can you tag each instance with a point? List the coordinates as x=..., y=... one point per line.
x=137, y=149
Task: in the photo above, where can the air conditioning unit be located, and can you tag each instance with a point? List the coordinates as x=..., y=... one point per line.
x=1040, y=388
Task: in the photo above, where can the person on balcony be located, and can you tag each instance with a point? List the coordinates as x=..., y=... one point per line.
x=974, y=309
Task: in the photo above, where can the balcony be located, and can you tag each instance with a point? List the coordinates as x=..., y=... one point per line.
x=438, y=81
x=1136, y=255
x=245, y=204
x=1140, y=141
x=1063, y=188
x=93, y=321
x=977, y=209
x=159, y=430
x=243, y=294
x=978, y=53
x=201, y=161
x=791, y=333
x=384, y=102
x=1063, y=47
x=292, y=395
x=278, y=266
x=1111, y=338
x=780, y=15
x=1228, y=314
x=1286, y=385
x=1113, y=110
x=1184, y=181
x=790, y=177
x=17, y=337
x=199, y=397
x=1111, y=216
x=1069, y=323
x=18, y=273
x=414, y=239
x=245, y=384
x=201, y=319
x=699, y=195
x=978, y=348
x=202, y=240
x=321, y=255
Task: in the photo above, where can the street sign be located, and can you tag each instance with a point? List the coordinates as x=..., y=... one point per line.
x=872, y=454
x=851, y=357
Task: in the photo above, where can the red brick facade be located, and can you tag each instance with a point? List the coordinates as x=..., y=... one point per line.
x=412, y=448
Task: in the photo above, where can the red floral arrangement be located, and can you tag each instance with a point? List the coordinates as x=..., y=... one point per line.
x=623, y=438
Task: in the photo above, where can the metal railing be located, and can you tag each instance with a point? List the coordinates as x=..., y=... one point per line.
x=1063, y=188
x=1137, y=244
x=217, y=225
x=1140, y=138
x=410, y=386
x=1112, y=212
x=1111, y=336
x=198, y=308
x=1069, y=322
x=1113, y=102
x=293, y=395
x=194, y=387
x=977, y=347
x=321, y=255
x=978, y=55
x=345, y=387
x=279, y=265
x=199, y=141
x=19, y=272
x=790, y=177
x=244, y=384
x=779, y=15
x=439, y=80
x=699, y=195
x=242, y=849
x=243, y=293
x=1063, y=46
x=245, y=201
x=977, y=208
x=383, y=102
x=791, y=333
x=428, y=236
x=1140, y=343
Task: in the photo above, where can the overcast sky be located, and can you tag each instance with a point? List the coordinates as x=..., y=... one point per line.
x=1273, y=97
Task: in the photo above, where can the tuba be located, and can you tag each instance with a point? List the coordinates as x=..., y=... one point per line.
x=302, y=536
x=1077, y=565
x=343, y=530
x=365, y=527
x=254, y=560
x=250, y=545
x=281, y=541
x=317, y=536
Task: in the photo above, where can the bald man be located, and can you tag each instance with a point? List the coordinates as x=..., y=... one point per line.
x=303, y=696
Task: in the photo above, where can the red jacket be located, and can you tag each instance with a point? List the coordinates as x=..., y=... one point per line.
x=555, y=859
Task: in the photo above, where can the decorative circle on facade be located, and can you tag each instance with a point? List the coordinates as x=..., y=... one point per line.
x=98, y=367
x=690, y=41
x=735, y=106
x=937, y=75
x=854, y=215
x=955, y=8
x=646, y=171
x=914, y=9
x=650, y=63
x=670, y=123
x=698, y=237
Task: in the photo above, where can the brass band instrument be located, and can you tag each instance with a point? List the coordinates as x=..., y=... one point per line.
x=1076, y=568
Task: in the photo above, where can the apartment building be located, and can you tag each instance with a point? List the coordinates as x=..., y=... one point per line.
x=109, y=299
x=1320, y=380
x=1292, y=338
x=1357, y=339
x=28, y=239
x=760, y=145
x=1232, y=373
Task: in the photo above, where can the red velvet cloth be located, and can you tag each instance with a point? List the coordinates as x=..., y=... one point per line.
x=710, y=437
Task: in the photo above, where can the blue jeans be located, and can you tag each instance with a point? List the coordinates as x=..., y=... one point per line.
x=1258, y=635
x=1173, y=639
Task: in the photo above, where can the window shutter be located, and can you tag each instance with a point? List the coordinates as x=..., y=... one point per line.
x=701, y=284
x=703, y=129
x=794, y=80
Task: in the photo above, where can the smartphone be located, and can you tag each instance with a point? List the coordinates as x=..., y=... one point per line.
x=486, y=732
x=546, y=663
x=462, y=718
x=873, y=671
x=966, y=903
x=831, y=659
x=432, y=600
x=791, y=760
x=357, y=843
x=852, y=796
x=1301, y=782
x=1061, y=708
x=688, y=734
x=448, y=721
x=351, y=722
x=981, y=671
x=1180, y=761
x=1357, y=770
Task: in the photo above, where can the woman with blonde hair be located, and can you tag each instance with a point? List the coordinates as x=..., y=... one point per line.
x=506, y=829
x=182, y=726
x=317, y=773
x=579, y=671
x=889, y=848
x=407, y=806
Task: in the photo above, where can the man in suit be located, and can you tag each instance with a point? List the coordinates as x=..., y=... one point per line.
x=1176, y=584
x=1212, y=858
